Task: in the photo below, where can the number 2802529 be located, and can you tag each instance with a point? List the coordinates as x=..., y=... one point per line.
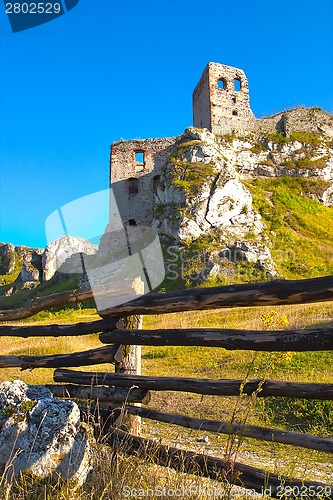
x=33, y=8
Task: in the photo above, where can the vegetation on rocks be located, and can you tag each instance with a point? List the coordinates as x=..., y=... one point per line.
x=190, y=176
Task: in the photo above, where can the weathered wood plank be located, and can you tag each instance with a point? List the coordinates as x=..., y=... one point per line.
x=73, y=330
x=284, y=340
x=91, y=357
x=251, y=431
x=261, y=387
x=123, y=288
x=101, y=394
x=215, y=468
x=275, y=292
x=256, y=340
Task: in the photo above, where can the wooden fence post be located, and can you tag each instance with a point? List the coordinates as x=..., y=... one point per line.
x=131, y=360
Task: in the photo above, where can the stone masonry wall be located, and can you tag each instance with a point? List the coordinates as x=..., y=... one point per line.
x=134, y=173
x=221, y=100
x=310, y=120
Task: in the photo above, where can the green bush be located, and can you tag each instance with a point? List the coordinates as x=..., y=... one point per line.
x=278, y=137
x=306, y=138
x=258, y=148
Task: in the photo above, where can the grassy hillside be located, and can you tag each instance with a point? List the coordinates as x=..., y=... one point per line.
x=299, y=226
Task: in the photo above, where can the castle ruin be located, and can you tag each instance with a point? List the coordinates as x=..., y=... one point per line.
x=221, y=104
x=221, y=100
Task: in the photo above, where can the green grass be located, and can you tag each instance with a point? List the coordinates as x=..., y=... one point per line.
x=300, y=227
x=58, y=283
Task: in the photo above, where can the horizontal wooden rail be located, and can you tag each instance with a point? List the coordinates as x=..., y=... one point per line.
x=272, y=293
x=111, y=354
x=102, y=394
x=262, y=387
x=124, y=289
x=103, y=325
x=256, y=340
x=215, y=468
x=251, y=431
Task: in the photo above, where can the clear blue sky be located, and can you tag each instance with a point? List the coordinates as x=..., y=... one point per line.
x=126, y=69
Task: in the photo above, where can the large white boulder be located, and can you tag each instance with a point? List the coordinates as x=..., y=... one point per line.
x=58, y=251
x=41, y=435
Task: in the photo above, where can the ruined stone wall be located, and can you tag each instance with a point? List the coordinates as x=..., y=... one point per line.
x=310, y=120
x=201, y=103
x=135, y=167
x=223, y=94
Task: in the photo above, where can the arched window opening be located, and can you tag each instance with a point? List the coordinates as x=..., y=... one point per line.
x=222, y=84
x=237, y=84
x=233, y=100
x=156, y=181
x=133, y=185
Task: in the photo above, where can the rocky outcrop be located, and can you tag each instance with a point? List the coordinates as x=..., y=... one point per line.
x=201, y=193
x=203, y=189
x=41, y=435
x=7, y=258
x=63, y=249
x=191, y=207
x=23, y=267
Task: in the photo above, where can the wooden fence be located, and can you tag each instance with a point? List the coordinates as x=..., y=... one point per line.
x=120, y=328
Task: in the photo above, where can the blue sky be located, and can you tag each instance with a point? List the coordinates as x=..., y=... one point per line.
x=109, y=70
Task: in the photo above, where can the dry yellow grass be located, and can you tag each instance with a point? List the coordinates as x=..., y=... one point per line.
x=114, y=472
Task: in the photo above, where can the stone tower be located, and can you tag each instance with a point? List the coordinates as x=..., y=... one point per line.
x=221, y=100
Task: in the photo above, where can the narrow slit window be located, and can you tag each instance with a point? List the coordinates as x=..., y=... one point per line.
x=133, y=185
x=222, y=84
x=233, y=100
x=156, y=181
x=237, y=84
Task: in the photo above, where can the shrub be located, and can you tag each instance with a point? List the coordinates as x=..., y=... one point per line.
x=306, y=138
x=258, y=148
x=278, y=137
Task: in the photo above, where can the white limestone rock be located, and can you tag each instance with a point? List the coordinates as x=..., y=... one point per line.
x=222, y=203
x=29, y=273
x=59, y=251
x=41, y=435
x=7, y=258
x=252, y=252
x=327, y=197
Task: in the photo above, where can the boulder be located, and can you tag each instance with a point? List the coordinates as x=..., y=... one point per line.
x=59, y=251
x=41, y=435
